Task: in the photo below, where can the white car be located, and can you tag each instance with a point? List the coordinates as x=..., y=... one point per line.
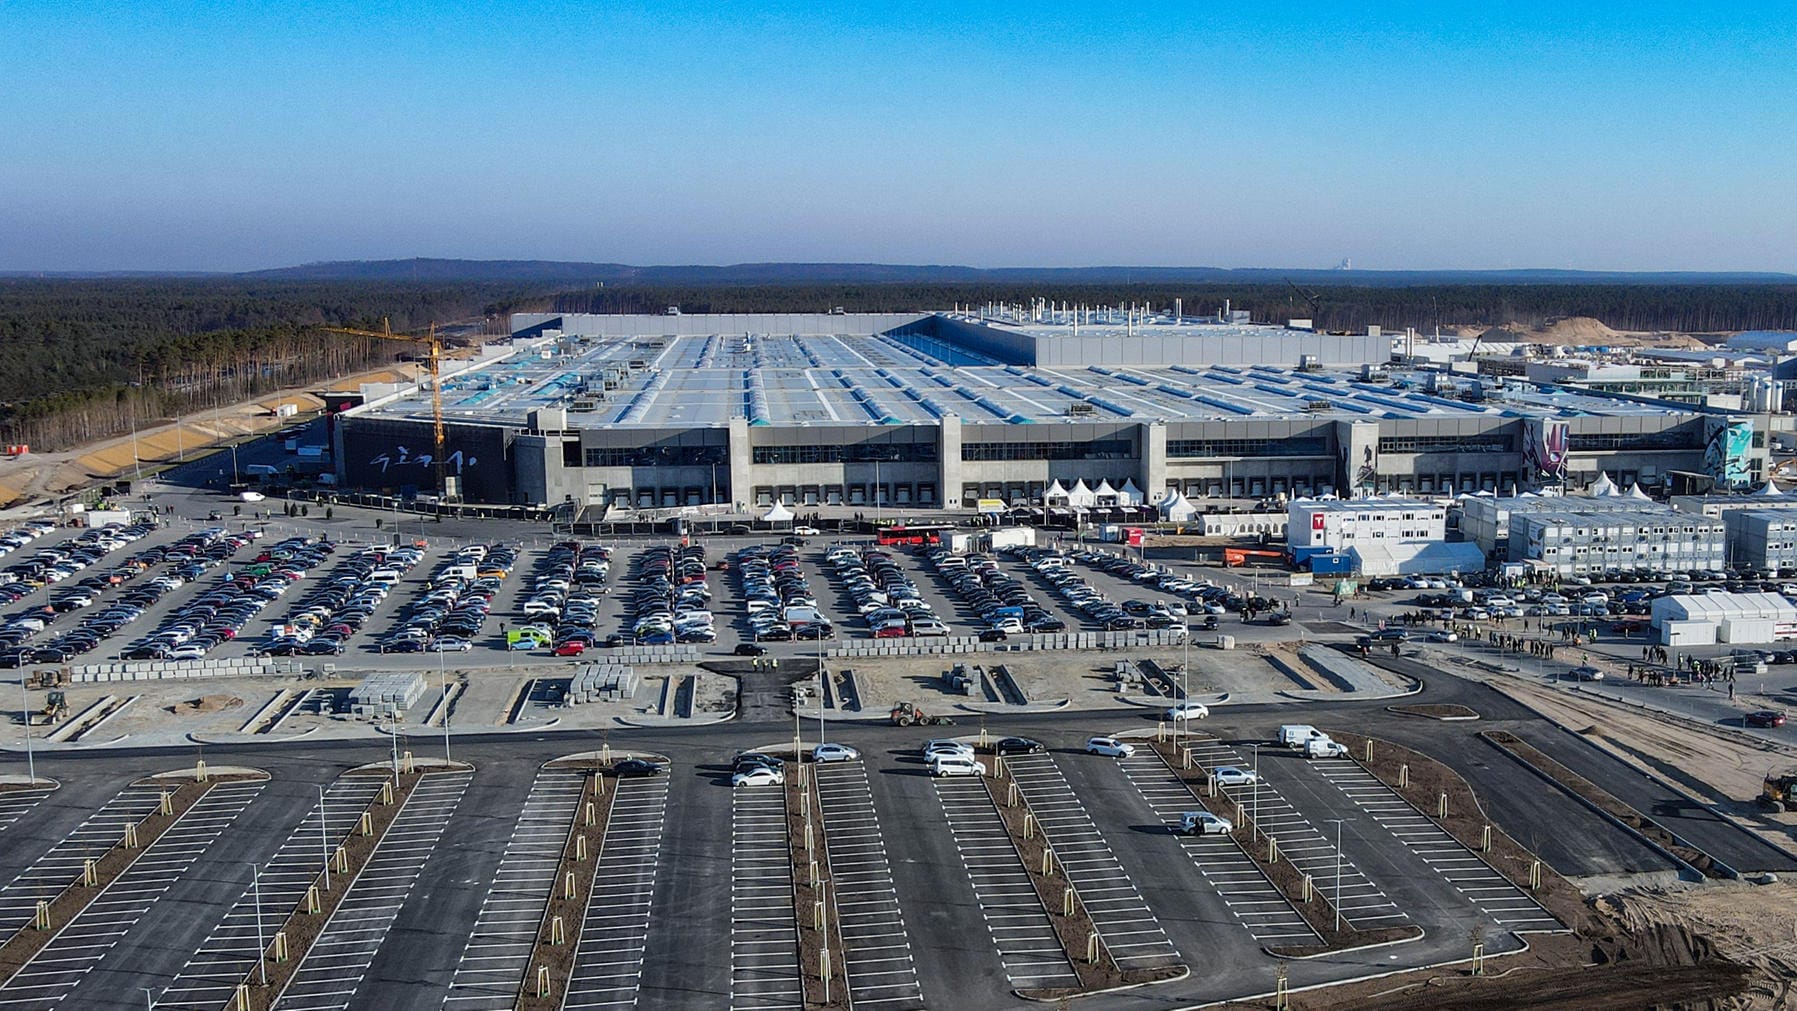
x=453, y=645
x=957, y=765
x=1203, y=823
x=1189, y=711
x=834, y=753
x=1229, y=775
x=188, y=653
x=760, y=776
x=946, y=747
x=1439, y=636
x=806, y=531
x=1109, y=746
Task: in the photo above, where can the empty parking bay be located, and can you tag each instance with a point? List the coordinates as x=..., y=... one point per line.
x=608, y=962
x=210, y=977
x=1028, y=947
x=1123, y=919
x=497, y=956
x=1239, y=881
x=14, y=804
x=879, y=967
x=1492, y=893
x=764, y=936
x=1361, y=901
x=333, y=969
x=58, y=968
x=62, y=864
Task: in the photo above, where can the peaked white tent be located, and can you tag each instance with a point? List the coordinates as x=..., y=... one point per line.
x=1770, y=491
x=778, y=514
x=1056, y=494
x=1129, y=494
x=1636, y=492
x=1603, y=487
x=1082, y=497
x=1177, y=509
x=1104, y=493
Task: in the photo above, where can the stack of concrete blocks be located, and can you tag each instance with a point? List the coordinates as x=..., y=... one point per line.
x=606, y=682
x=386, y=692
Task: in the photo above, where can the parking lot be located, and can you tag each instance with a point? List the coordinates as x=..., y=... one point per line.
x=935, y=907
x=15, y=803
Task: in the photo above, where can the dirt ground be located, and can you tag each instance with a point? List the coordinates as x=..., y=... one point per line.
x=1754, y=925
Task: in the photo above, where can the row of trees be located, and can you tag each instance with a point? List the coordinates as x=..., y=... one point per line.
x=1691, y=308
x=91, y=359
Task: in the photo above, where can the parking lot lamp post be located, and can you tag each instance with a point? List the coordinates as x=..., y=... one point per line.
x=324, y=838
x=443, y=671
x=261, y=945
x=1256, y=814
x=1337, y=901
x=393, y=732
x=25, y=701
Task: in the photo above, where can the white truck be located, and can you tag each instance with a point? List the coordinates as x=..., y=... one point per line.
x=1296, y=735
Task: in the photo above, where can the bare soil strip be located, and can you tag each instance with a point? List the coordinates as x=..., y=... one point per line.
x=111, y=865
x=1317, y=911
x=558, y=937
x=1073, y=925
x=809, y=899
x=306, y=923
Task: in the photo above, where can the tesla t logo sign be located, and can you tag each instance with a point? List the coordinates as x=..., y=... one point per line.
x=1316, y=521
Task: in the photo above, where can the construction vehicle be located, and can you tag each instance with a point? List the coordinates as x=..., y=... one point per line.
x=435, y=359
x=56, y=707
x=47, y=678
x=905, y=714
x=1779, y=791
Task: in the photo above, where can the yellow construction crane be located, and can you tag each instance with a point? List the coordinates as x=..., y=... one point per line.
x=435, y=350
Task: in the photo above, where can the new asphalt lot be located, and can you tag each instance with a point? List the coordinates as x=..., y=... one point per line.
x=692, y=918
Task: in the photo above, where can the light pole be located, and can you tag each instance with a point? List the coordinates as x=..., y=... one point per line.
x=1185, y=674
x=1256, y=809
x=324, y=838
x=261, y=945
x=25, y=701
x=1337, y=902
x=443, y=672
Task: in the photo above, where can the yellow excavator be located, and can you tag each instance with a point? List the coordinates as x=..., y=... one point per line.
x=1779, y=790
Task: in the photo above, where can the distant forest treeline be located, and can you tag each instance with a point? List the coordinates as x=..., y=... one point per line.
x=86, y=359
x=1696, y=308
x=82, y=360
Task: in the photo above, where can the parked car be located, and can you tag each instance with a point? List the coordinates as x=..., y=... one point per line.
x=1229, y=775
x=1110, y=747
x=636, y=767
x=749, y=649
x=1017, y=746
x=758, y=776
x=1203, y=823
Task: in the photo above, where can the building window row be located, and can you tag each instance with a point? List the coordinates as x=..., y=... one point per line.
x=655, y=456
x=897, y=452
x=1189, y=449
x=1446, y=444
x=1671, y=438
x=1111, y=449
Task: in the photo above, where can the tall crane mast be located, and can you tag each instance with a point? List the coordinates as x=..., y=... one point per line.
x=434, y=349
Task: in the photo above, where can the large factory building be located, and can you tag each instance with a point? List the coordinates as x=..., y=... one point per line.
x=946, y=409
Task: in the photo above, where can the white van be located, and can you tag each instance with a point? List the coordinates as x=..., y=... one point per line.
x=1323, y=747
x=1296, y=735
x=956, y=765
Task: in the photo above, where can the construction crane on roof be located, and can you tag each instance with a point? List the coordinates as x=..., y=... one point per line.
x=1309, y=296
x=434, y=350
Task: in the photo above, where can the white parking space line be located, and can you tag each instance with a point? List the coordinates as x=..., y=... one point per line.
x=1239, y=881
x=497, y=956
x=207, y=981
x=1028, y=947
x=764, y=935
x=62, y=863
x=1361, y=902
x=1123, y=919
x=1493, y=894
x=609, y=959
x=15, y=803
x=55, y=971
x=879, y=966
x=333, y=969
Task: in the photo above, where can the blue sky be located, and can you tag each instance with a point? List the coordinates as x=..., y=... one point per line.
x=237, y=135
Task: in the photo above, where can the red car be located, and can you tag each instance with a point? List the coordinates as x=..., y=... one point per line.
x=1764, y=718
x=570, y=649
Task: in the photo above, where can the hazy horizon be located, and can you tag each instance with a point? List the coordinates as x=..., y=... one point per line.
x=1442, y=137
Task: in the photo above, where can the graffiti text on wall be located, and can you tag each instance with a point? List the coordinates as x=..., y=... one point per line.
x=402, y=457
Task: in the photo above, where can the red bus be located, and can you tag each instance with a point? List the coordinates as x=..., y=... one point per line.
x=913, y=533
